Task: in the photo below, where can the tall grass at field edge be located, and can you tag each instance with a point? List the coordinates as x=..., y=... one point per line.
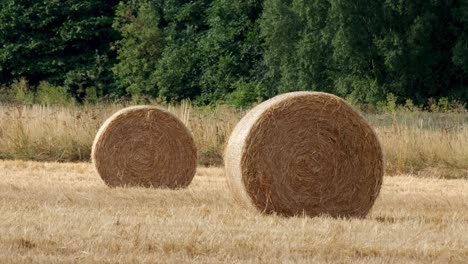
x=417, y=143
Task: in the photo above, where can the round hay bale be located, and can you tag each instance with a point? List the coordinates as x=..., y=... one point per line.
x=305, y=153
x=144, y=146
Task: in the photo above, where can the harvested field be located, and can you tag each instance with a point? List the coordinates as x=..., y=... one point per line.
x=63, y=212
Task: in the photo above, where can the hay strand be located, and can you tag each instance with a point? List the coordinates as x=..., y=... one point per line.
x=144, y=146
x=305, y=153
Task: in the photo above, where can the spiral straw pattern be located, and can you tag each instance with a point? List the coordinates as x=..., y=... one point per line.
x=305, y=153
x=144, y=146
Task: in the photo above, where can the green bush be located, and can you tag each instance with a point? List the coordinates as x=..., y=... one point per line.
x=21, y=92
x=438, y=106
x=244, y=95
x=389, y=105
x=48, y=94
x=139, y=50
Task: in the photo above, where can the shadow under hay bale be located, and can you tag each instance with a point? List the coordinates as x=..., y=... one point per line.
x=305, y=153
x=144, y=146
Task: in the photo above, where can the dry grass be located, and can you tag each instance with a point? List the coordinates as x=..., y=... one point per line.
x=424, y=144
x=66, y=133
x=439, y=152
x=63, y=213
x=50, y=133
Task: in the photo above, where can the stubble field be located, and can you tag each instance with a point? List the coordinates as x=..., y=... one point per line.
x=64, y=213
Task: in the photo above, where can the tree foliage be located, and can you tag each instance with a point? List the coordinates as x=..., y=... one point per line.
x=56, y=40
x=231, y=50
x=239, y=51
x=366, y=49
x=139, y=49
x=297, y=45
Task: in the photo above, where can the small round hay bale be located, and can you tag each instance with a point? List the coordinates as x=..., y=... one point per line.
x=305, y=153
x=144, y=146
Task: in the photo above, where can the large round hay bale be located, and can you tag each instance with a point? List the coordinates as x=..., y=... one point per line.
x=144, y=146
x=305, y=153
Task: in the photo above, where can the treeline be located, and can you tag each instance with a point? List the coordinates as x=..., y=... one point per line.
x=237, y=52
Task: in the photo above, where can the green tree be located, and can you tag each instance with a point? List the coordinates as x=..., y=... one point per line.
x=366, y=49
x=179, y=69
x=231, y=50
x=355, y=58
x=460, y=50
x=408, y=48
x=297, y=45
x=46, y=40
x=139, y=50
x=416, y=45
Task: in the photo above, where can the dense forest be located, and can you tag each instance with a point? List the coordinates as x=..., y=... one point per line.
x=238, y=52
